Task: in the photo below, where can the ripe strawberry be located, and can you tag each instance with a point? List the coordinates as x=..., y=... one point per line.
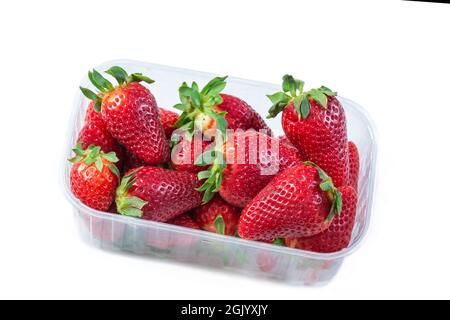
x=94, y=177
x=131, y=114
x=95, y=132
x=353, y=159
x=209, y=109
x=217, y=216
x=186, y=152
x=284, y=140
x=338, y=235
x=157, y=194
x=300, y=201
x=314, y=122
x=168, y=120
x=186, y=221
x=252, y=160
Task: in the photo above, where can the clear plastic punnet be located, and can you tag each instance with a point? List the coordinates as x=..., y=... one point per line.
x=120, y=233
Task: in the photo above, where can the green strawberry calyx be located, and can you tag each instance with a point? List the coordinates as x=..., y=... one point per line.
x=198, y=111
x=327, y=185
x=219, y=224
x=293, y=92
x=104, y=86
x=127, y=205
x=198, y=106
x=214, y=174
x=94, y=155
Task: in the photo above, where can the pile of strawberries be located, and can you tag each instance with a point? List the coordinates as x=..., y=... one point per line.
x=217, y=166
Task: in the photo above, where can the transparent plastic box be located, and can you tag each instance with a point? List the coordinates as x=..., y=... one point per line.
x=120, y=233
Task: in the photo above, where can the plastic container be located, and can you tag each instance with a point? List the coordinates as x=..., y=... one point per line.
x=120, y=233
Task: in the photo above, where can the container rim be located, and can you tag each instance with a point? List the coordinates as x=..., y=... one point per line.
x=64, y=180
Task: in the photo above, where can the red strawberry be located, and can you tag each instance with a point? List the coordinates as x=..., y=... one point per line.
x=131, y=114
x=284, y=140
x=168, y=120
x=187, y=151
x=94, y=177
x=157, y=194
x=315, y=123
x=217, y=216
x=209, y=109
x=338, y=235
x=95, y=132
x=353, y=158
x=300, y=201
x=251, y=163
x=186, y=221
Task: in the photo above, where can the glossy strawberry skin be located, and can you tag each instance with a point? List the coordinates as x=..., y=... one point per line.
x=186, y=221
x=95, y=132
x=240, y=115
x=322, y=136
x=185, y=153
x=284, y=140
x=338, y=235
x=132, y=117
x=93, y=188
x=168, y=193
x=168, y=120
x=353, y=158
x=292, y=204
x=242, y=180
x=207, y=214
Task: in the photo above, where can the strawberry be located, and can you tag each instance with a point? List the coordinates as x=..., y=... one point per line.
x=94, y=177
x=217, y=216
x=353, y=158
x=186, y=221
x=186, y=151
x=157, y=194
x=168, y=120
x=284, y=140
x=203, y=110
x=301, y=201
x=252, y=160
x=338, y=235
x=315, y=123
x=95, y=132
x=131, y=114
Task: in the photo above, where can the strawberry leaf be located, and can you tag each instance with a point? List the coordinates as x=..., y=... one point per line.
x=327, y=185
x=99, y=81
x=305, y=108
x=219, y=224
x=320, y=97
x=118, y=73
x=90, y=94
x=139, y=77
x=114, y=170
x=111, y=157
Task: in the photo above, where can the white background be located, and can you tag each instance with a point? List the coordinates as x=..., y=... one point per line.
x=392, y=57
